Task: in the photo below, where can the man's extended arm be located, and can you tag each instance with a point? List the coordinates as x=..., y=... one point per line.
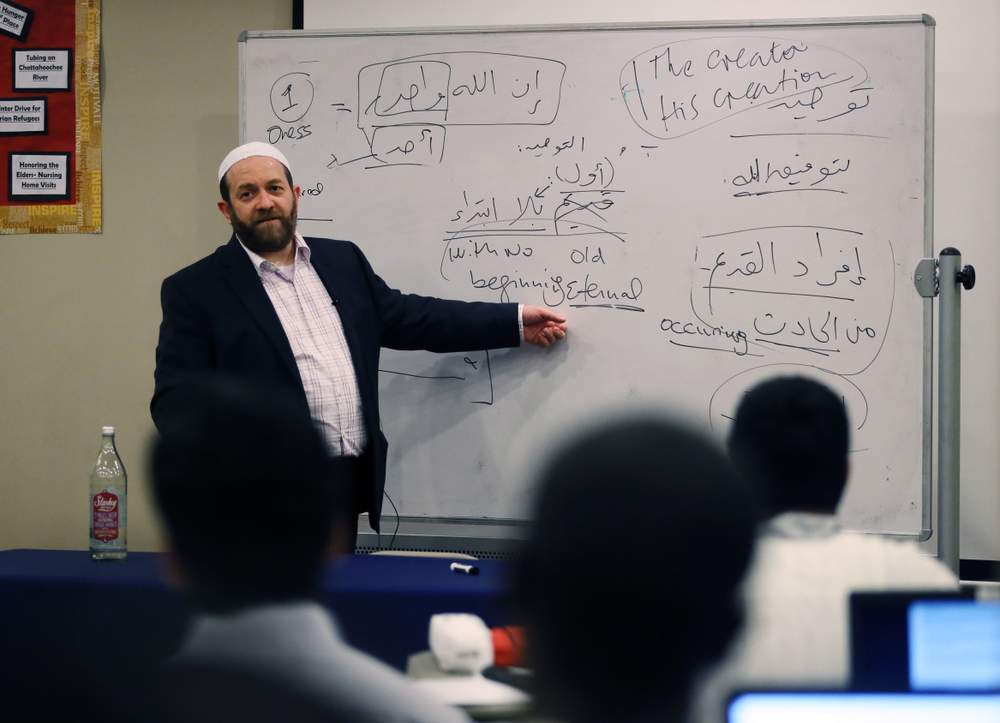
x=410, y=321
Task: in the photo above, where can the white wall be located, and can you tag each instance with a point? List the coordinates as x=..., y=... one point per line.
x=967, y=165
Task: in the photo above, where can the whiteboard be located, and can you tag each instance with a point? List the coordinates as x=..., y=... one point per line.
x=708, y=205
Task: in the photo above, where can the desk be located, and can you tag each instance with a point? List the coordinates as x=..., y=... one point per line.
x=58, y=602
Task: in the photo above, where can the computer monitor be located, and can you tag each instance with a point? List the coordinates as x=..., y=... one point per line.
x=846, y=706
x=879, y=642
x=954, y=645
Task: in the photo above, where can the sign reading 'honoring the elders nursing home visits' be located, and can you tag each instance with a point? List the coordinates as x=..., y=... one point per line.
x=39, y=176
x=50, y=116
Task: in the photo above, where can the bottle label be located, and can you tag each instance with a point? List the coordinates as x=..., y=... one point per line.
x=104, y=522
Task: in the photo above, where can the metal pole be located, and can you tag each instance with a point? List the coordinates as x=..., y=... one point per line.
x=949, y=405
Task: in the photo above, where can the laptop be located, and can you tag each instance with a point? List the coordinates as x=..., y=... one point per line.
x=879, y=636
x=954, y=645
x=846, y=706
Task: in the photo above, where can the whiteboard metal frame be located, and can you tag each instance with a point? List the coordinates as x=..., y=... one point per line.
x=653, y=25
x=499, y=536
x=927, y=513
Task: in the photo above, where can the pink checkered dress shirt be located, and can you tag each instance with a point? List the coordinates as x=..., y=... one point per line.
x=316, y=335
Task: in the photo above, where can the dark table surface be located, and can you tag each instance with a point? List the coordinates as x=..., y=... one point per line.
x=62, y=603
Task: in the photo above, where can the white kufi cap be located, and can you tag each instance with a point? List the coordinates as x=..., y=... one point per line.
x=254, y=148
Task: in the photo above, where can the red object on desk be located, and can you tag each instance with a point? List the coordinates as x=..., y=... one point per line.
x=508, y=645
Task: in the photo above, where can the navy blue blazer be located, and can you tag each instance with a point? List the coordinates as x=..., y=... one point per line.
x=218, y=317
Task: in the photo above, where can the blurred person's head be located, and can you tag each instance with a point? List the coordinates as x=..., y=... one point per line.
x=628, y=583
x=790, y=439
x=242, y=481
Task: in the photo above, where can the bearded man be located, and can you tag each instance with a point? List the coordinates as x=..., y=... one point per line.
x=310, y=315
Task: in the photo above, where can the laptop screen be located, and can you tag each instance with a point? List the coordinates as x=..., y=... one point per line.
x=954, y=645
x=879, y=642
x=862, y=707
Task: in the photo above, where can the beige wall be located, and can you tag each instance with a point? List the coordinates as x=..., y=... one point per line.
x=79, y=313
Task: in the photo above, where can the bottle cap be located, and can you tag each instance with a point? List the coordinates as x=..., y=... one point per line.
x=107, y=430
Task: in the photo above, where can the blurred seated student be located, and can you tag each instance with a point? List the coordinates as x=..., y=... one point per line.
x=221, y=692
x=251, y=505
x=628, y=583
x=790, y=440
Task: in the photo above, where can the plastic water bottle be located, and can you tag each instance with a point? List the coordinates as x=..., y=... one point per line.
x=108, y=502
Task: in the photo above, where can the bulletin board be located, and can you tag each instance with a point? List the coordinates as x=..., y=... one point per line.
x=50, y=116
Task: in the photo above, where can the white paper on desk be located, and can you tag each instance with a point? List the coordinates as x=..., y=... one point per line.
x=471, y=690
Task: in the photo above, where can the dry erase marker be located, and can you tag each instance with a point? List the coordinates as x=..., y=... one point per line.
x=464, y=569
